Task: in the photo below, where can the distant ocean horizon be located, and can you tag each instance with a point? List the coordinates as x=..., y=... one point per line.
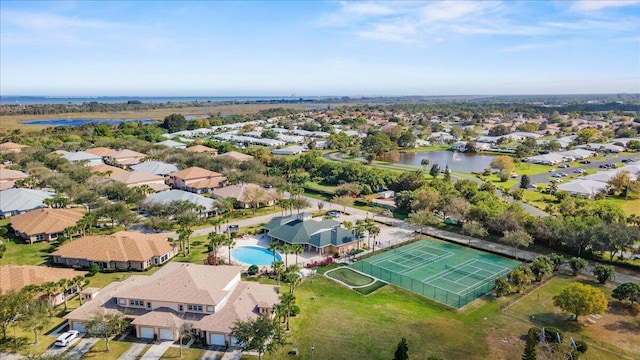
x=41, y=100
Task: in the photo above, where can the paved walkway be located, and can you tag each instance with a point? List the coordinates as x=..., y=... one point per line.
x=156, y=350
x=11, y=356
x=232, y=354
x=212, y=355
x=134, y=350
x=82, y=348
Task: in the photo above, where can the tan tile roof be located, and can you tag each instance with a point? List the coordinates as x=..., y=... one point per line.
x=238, y=156
x=5, y=185
x=242, y=304
x=125, y=154
x=122, y=246
x=136, y=178
x=104, y=168
x=101, y=151
x=15, y=277
x=185, y=283
x=194, y=172
x=11, y=146
x=207, y=183
x=239, y=191
x=11, y=175
x=160, y=318
x=200, y=149
x=46, y=221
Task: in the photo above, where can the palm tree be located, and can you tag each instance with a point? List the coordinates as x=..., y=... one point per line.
x=230, y=245
x=216, y=240
x=280, y=311
x=286, y=250
x=278, y=268
x=50, y=288
x=292, y=277
x=65, y=285
x=183, y=236
x=79, y=282
x=274, y=246
x=297, y=249
x=288, y=300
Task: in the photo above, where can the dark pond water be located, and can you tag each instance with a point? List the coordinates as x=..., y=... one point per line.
x=80, y=122
x=457, y=161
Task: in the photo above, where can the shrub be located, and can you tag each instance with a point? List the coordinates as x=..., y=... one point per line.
x=336, y=255
x=94, y=269
x=253, y=269
x=581, y=346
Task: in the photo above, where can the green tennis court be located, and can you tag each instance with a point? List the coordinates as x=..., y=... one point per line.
x=447, y=273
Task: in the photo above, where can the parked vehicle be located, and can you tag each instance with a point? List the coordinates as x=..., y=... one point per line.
x=563, y=166
x=67, y=337
x=333, y=214
x=585, y=162
x=579, y=171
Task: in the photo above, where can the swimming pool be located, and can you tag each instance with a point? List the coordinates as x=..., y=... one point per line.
x=254, y=255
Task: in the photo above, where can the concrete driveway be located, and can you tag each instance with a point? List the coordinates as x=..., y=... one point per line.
x=156, y=350
x=135, y=350
x=83, y=346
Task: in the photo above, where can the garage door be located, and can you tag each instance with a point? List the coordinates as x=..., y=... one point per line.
x=234, y=341
x=217, y=339
x=146, y=333
x=78, y=326
x=166, y=334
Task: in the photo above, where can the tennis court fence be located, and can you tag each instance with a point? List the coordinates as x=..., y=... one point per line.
x=441, y=295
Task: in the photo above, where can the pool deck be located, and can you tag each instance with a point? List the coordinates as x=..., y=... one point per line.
x=262, y=241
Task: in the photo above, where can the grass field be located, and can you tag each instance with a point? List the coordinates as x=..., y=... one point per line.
x=9, y=122
x=98, y=351
x=350, y=277
x=343, y=324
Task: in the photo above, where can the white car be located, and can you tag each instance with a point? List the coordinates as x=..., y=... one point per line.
x=66, y=338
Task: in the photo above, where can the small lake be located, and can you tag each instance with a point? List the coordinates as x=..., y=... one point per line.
x=457, y=161
x=80, y=122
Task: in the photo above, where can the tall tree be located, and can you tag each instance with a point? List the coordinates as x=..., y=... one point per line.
x=604, y=273
x=278, y=268
x=629, y=290
x=343, y=201
x=580, y=299
x=517, y=239
x=216, y=241
x=402, y=350
x=174, y=123
x=11, y=305
x=261, y=335
x=288, y=300
x=105, y=326
x=34, y=317
x=577, y=264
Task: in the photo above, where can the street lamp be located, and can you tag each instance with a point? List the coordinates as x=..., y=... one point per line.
x=313, y=347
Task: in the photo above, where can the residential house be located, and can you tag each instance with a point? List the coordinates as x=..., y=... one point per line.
x=237, y=156
x=123, y=250
x=289, y=150
x=201, y=149
x=167, y=197
x=212, y=298
x=16, y=201
x=107, y=170
x=16, y=277
x=83, y=157
x=323, y=236
x=9, y=146
x=196, y=180
x=583, y=187
x=173, y=144
x=101, y=151
x=245, y=194
x=45, y=224
x=155, y=167
x=9, y=177
x=124, y=158
x=141, y=178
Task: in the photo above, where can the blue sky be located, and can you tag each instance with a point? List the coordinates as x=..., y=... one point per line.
x=262, y=48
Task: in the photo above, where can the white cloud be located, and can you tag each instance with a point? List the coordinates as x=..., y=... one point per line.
x=367, y=8
x=596, y=5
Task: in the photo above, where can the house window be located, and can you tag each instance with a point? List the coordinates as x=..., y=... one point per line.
x=180, y=308
x=53, y=236
x=194, y=308
x=40, y=237
x=209, y=308
x=148, y=305
x=123, y=301
x=136, y=302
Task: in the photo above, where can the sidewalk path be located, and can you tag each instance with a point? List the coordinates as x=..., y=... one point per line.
x=232, y=354
x=212, y=355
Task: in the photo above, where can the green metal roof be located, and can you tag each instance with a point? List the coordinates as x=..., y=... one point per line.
x=294, y=230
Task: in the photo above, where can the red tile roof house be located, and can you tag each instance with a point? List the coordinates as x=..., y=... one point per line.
x=15, y=277
x=122, y=250
x=45, y=224
x=243, y=193
x=120, y=158
x=212, y=298
x=140, y=178
x=9, y=146
x=196, y=180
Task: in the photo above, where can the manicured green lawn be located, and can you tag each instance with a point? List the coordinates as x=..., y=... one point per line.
x=26, y=254
x=616, y=331
x=349, y=277
x=98, y=351
x=187, y=353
